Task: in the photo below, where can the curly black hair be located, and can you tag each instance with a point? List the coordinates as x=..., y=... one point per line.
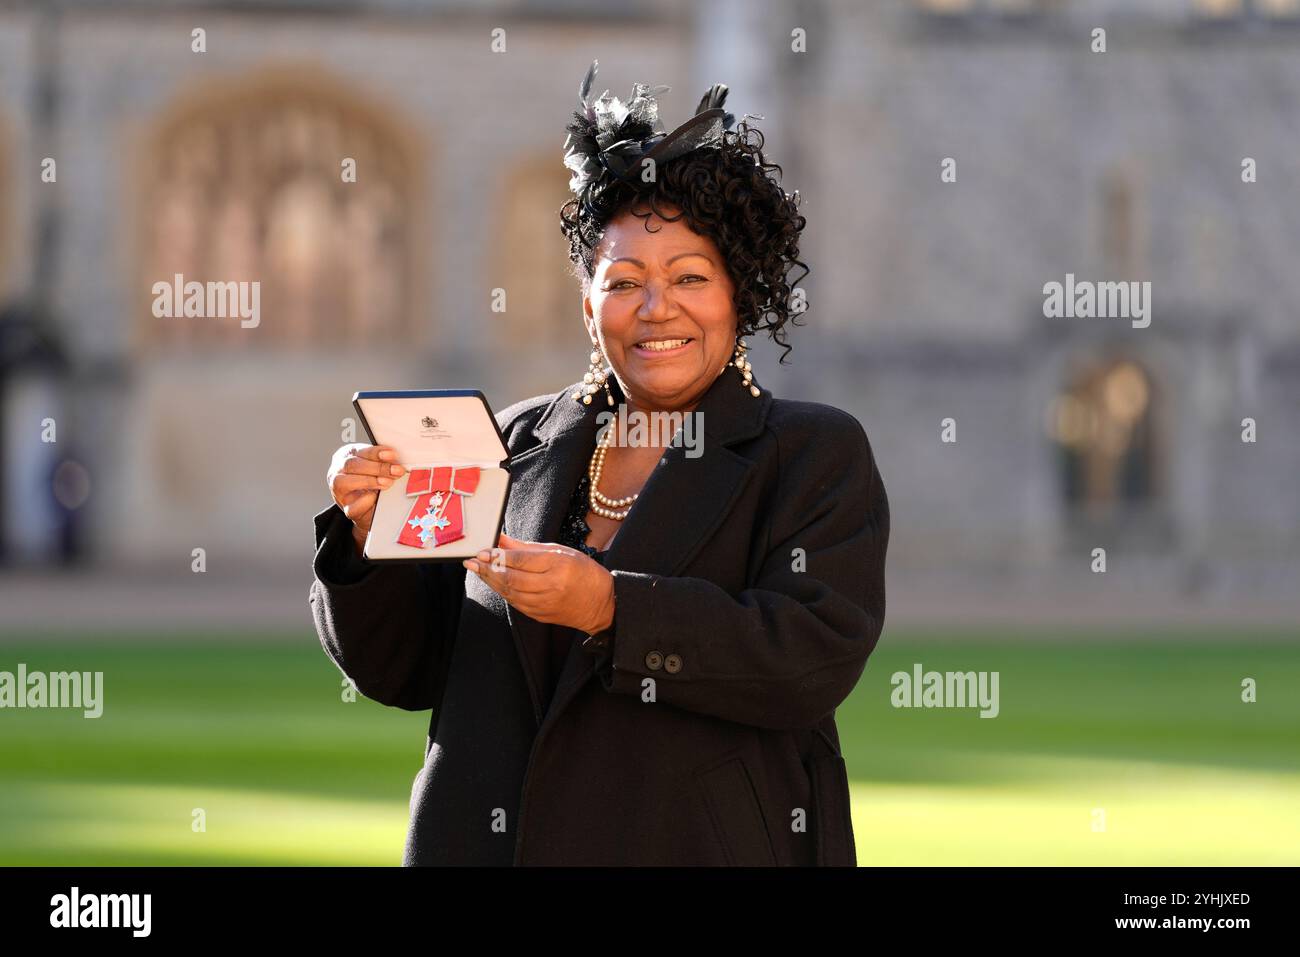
x=727, y=193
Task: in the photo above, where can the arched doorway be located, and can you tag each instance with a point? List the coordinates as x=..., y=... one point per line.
x=252, y=180
x=248, y=179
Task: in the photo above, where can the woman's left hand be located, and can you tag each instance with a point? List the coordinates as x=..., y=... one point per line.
x=549, y=583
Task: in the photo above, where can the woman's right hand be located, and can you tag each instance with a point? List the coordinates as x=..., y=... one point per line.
x=356, y=474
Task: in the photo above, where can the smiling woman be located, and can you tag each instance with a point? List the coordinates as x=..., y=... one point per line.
x=646, y=669
x=713, y=183
x=661, y=308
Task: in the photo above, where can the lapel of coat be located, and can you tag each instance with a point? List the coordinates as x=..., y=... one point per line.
x=683, y=501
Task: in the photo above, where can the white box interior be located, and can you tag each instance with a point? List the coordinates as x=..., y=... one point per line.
x=481, y=513
x=431, y=431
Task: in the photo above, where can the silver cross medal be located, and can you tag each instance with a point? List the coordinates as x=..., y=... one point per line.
x=430, y=520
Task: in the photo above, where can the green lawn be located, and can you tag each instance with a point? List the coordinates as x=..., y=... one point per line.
x=1150, y=730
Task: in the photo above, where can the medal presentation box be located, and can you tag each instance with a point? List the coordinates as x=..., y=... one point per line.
x=451, y=501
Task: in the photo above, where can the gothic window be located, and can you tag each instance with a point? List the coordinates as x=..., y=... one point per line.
x=247, y=184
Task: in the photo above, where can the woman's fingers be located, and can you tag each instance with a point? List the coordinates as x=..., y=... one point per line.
x=522, y=573
x=505, y=541
x=376, y=453
x=548, y=581
x=535, y=570
x=365, y=460
x=345, y=482
x=538, y=560
x=495, y=572
x=357, y=474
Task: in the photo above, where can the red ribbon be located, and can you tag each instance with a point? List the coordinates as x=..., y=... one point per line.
x=452, y=484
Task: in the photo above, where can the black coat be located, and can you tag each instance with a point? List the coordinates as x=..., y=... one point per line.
x=750, y=589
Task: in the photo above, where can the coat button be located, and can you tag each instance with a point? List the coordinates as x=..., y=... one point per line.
x=654, y=661
x=673, y=664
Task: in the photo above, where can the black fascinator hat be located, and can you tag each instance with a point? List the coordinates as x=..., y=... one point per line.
x=611, y=140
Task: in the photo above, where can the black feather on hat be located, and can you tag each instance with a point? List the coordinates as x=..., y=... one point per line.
x=608, y=136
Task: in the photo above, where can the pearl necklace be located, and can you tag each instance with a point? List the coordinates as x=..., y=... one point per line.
x=600, y=504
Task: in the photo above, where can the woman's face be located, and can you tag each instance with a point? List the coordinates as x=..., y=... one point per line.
x=670, y=286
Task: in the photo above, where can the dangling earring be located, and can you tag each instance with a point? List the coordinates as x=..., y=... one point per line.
x=743, y=367
x=594, y=378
